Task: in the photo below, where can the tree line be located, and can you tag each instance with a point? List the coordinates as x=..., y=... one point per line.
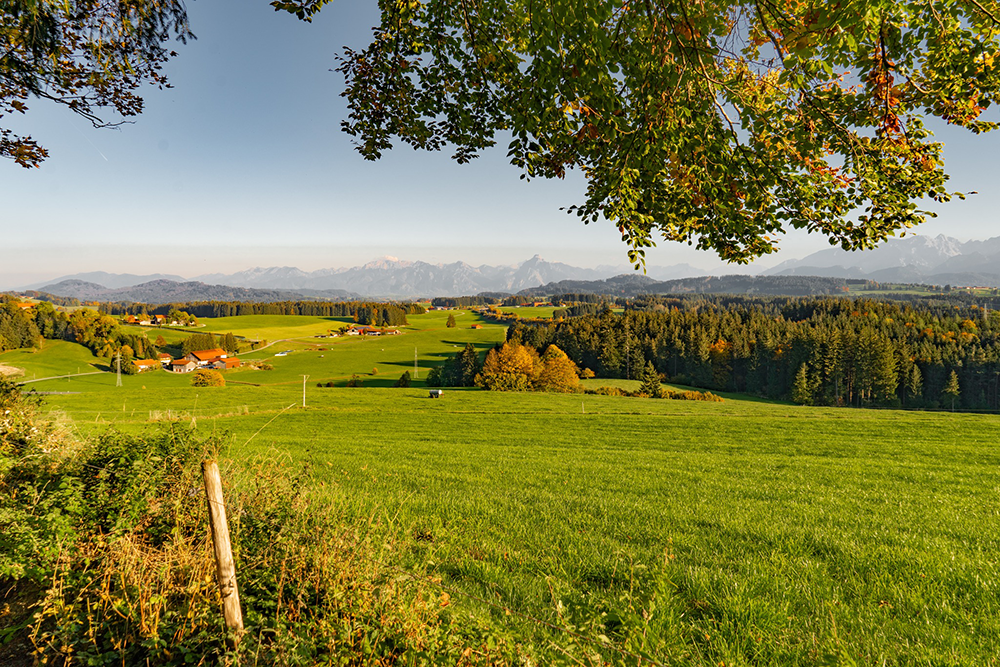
x=823, y=351
x=363, y=312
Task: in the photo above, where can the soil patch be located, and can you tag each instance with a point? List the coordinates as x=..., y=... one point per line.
x=10, y=371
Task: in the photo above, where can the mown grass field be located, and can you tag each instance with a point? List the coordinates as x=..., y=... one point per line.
x=737, y=533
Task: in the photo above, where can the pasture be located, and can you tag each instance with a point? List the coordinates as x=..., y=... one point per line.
x=737, y=533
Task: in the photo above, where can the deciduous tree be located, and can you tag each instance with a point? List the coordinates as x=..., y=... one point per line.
x=557, y=372
x=718, y=123
x=207, y=378
x=510, y=368
x=90, y=56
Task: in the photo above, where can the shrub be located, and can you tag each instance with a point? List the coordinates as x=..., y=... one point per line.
x=694, y=396
x=355, y=381
x=208, y=378
x=404, y=380
x=109, y=554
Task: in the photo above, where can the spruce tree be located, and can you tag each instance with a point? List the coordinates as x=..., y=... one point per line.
x=952, y=389
x=650, y=382
x=801, y=391
x=468, y=365
x=915, y=383
x=451, y=321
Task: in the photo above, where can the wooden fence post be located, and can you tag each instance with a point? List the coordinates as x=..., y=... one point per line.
x=224, y=566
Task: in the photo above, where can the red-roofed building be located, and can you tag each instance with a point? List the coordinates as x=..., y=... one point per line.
x=225, y=364
x=202, y=357
x=164, y=358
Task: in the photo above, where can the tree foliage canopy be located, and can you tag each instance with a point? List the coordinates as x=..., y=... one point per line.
x=716, y=123
x=89, y=55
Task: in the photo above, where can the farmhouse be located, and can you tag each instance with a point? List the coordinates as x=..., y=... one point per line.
x=146, y=364
x=476, y=326
x=225, y=364
x=183, y=365
x=367, y=330
x=164, y=358
x=202, y=357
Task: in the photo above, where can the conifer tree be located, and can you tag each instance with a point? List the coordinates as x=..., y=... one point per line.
x=915, y=383
x=801, y=390
x=451, y=321
x=468, y=365
x=650, y=382
x=952, y=389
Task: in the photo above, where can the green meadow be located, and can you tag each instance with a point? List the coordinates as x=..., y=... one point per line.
x=737, y=533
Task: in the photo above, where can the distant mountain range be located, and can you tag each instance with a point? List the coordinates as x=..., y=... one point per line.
x=936, y=260
x=633, y=285
x=169, y=291
x=388, y=277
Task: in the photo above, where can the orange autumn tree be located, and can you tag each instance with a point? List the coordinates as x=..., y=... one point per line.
x=509, y=368
x=516, y=367
x=557, y=372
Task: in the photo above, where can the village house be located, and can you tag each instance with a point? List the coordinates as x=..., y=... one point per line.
x=146, y=364
x=183, y=365
x=203, y=357
x=164, y=358
x=215, y=358
x=367, y=330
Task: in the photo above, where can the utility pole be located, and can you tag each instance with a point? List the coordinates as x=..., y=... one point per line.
x=118, y=383
x=304, y=378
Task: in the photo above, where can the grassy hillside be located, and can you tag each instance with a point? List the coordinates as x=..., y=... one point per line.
x=742, y=532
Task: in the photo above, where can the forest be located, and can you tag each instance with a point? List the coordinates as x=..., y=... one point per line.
x=822, y=351
x=363, y=312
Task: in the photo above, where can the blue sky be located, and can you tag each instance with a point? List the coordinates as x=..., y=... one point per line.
x=243, y=164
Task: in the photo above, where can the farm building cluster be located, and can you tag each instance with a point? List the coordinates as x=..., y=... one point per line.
x=361, y=330
x=215, y=358
x=155, y=320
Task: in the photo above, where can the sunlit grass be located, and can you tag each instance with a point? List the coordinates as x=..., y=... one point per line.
x=742, y=532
